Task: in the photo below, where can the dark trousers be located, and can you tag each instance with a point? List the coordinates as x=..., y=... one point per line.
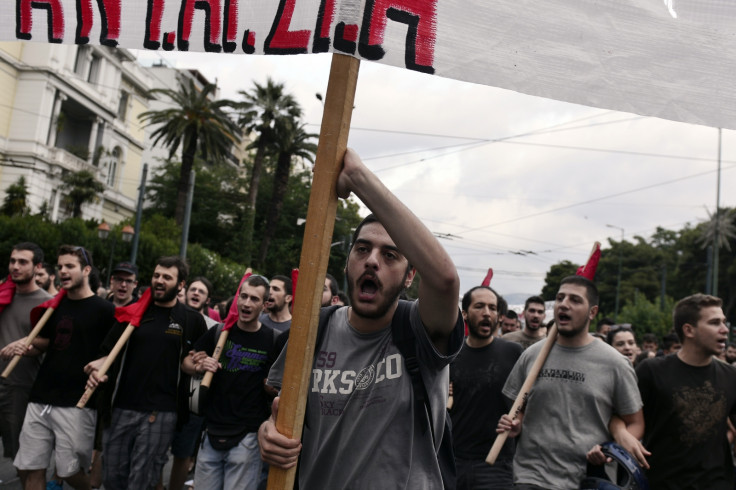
x=474, y=474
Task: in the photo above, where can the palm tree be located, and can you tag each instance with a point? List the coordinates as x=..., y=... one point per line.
x=196, y=122
x=292, y=142
x=16, y=199
x=264, y=111
x=82, y=187
x=719, y=227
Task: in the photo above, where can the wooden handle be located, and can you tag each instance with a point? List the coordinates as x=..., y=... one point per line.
x=315, y=255
x=524, y=392
x=207, y=378
x=108, y=362
x=34, y=333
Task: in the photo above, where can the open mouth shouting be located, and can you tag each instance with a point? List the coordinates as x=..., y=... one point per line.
x=368, y=287
x=563, y=318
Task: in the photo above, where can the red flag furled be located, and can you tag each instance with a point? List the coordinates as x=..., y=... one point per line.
x=294, y=278
x=133, y=313
x=487, y=279
x=588, y=270
x=7, y=291
x=37, y=311
x=232, y=315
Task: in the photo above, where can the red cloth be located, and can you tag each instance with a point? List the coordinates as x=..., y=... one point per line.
x=588, y=270
x=294, y=278
x=37, y=312
x=214, y=314
x=487, y=279
x=134, y=312
x=7, y=291
x=232, y=315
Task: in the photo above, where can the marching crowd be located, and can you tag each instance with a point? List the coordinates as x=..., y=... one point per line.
x=380, y=411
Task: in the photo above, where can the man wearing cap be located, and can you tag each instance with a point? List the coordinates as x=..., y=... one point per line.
x=123, y=283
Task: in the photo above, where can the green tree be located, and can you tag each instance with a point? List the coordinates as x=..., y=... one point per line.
x=16, y=199
x=81, y=187
x=198, y=124
x=647, y=317
x=293, y=142
x=554, y=276
x=264, y=111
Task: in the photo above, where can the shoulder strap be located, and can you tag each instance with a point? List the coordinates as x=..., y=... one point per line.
x=324, y=318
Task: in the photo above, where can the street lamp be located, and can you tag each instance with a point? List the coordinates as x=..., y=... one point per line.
x=103, y=232
x=620, y=261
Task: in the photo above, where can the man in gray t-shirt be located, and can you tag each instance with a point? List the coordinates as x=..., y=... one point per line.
x=359, y=429
x=582, y=384
x=15, y=323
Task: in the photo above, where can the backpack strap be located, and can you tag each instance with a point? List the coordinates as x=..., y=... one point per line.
x=324, y=318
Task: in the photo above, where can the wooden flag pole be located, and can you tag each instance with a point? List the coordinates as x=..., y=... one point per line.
x=34, y=333
x=320, y=223
x=108, y=362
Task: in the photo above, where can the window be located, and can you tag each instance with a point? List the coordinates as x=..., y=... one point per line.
x=123, y=105
x=112, y=169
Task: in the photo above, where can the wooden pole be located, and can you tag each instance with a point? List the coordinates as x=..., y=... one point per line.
x=207, y=378
x=108, y=362
x=34, y=333
x=320, y=223
x=524, y=392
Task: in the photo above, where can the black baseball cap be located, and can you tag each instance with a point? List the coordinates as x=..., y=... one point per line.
x=126, y=267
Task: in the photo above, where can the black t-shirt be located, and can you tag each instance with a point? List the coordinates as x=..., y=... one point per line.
x=237, y=401
x=478, y=376
x=75, y=331
x=685, y=411
x=151, y=365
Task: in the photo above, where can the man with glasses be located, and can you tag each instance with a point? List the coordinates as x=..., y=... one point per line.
x=70, y=339
x=123, y=283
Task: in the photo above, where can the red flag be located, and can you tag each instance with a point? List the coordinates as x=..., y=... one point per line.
x=294, y=278
x=232, y=315
x=588, y=270
x=7, y=291
x=37, y=312
x=487, y=279
x=133, y=313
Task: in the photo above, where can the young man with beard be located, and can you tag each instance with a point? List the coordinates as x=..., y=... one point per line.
x=197, y=297
x=237, y=401
x=278, y=314
x=46, y=278
x=70, y=339
x=149, y=397
x=688, y=399
x=509, y=322
x=15, y=322
x=477, y=378
x=359, y=430
x=532, y=332
x=582, y=384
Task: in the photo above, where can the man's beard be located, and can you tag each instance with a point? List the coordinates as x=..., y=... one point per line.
x=474, y=330
x=24, y=280
x=574, y=332
x=45, y=285
x=389, y=298
x=169, y=294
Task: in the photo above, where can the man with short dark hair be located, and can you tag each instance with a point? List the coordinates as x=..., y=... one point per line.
x=70, y=339
x=670, y=344
x=330, y=291
x=237, y=401
x=277, y=313
x=509, y=322
x=731, y=352
x=15, y=322
x=604, y=326
x=45, y=277
x=123, y=282
x=362, y=428
x=582, y=384
x=149, y=397
x=477, y=376
x=688, y=399
x=533, y=330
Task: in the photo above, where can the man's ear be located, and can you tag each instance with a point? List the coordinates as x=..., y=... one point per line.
x=288, y=298
x=410, y=277
x=593, y=312
x=687, y=330
x=465, y=316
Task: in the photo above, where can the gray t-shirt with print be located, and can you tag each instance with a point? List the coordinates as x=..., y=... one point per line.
x=568, y=410
x=359, y=429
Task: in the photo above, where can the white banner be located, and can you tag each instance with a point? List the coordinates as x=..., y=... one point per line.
x=663, y=58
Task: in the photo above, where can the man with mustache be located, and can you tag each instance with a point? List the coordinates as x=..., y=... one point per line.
x=150, y=398
x=360, y=430
x=581, y=386
x=532, y=332
x=46, y=278
x=477, y=378
x=277, y=313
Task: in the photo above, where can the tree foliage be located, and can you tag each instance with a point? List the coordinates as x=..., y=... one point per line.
x=81, y=187
x=16, y=199
x=673, y=261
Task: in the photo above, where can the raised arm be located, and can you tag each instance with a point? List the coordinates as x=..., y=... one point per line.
x=440, y=285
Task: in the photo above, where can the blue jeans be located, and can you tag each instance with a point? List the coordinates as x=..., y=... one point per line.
x=238, y=468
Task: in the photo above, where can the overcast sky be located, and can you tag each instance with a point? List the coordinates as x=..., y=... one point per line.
x=515, y=182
